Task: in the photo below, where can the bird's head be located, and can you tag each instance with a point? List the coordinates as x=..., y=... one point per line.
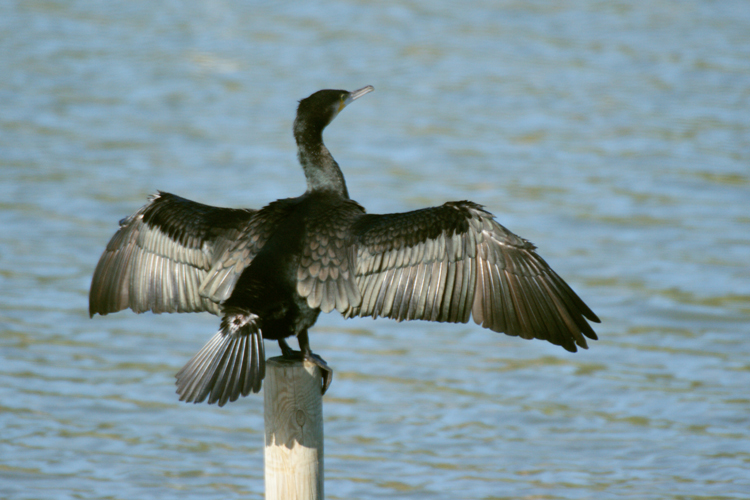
x=314, y=113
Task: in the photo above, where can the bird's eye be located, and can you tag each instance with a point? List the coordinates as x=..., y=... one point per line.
x=342, y=102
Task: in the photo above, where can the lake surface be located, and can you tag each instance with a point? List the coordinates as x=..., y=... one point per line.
x=614, y=135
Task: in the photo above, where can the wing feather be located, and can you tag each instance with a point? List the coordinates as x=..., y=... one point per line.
x=455, y=261
x=159, y=257
x=458, y=289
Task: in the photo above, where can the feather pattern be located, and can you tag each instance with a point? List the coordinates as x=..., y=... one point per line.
x=231, y=364
x=234, y=256
x=324, y=274
x=161, y=256
x=451, y=262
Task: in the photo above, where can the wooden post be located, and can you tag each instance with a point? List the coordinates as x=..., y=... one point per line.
x=293, y=411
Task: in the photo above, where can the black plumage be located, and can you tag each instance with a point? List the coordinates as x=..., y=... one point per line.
x=270, y=272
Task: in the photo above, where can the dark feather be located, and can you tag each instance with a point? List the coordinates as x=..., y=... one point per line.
x=159, y=258
x=449, y=262
x=231, y=364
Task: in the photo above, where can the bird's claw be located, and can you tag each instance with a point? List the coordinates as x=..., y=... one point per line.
x=325, y=370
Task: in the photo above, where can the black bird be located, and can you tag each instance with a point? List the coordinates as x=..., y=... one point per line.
x=269, y=273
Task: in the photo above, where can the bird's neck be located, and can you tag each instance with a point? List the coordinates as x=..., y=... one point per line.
x=321, y=170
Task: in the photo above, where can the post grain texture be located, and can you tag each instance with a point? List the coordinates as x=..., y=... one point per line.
x=293, y=411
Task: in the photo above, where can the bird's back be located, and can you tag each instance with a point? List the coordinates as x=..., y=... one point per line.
x=307, y=257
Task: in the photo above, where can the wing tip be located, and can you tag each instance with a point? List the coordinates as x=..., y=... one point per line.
x=591, y=316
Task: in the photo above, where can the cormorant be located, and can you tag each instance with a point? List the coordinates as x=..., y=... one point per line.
x=269, y=273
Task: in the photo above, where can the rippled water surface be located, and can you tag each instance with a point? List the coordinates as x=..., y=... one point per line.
x=614, y=135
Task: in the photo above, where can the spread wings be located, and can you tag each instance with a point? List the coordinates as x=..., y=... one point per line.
x=162, y=254
x=442, y=264
x=454, y=261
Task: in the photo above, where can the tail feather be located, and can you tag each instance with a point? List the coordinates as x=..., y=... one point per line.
x=231, y=364
x=257, y=370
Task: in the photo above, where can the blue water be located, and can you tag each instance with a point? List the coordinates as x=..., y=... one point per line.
x=614, y=135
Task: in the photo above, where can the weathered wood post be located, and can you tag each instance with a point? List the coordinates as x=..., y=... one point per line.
x=293, y=412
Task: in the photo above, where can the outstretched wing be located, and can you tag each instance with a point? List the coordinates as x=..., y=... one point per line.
x=454, y=261
x=161, y=255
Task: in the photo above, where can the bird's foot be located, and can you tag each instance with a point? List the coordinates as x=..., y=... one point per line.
x=325, y=370
x=288, y=352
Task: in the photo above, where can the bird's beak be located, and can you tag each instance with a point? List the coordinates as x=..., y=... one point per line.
x=359, y=93
x=356, y=95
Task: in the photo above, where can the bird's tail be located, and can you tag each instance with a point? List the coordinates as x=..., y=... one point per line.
x=233, y=362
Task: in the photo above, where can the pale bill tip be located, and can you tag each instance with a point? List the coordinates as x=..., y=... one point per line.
x=360, y=92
